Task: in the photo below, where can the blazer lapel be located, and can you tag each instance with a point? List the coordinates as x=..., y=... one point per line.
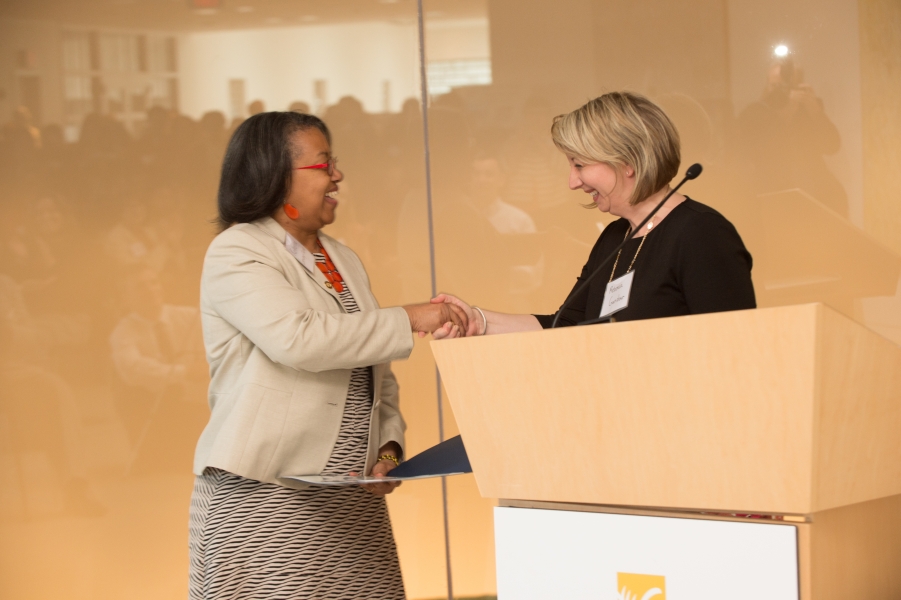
x=271, y=227
x=349, y=274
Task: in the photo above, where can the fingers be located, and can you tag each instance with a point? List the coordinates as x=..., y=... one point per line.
x=450, y=299
x=458, y=316
x=474, y=323
x=380, y=469
x=457, y=302
x=381, y=489
x=444, y=332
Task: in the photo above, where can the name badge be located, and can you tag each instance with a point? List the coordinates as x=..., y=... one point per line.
x=616, y=296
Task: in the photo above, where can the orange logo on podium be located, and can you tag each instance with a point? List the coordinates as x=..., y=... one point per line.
x=635, y=586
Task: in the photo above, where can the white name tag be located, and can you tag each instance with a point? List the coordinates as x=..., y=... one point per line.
x=616, y=296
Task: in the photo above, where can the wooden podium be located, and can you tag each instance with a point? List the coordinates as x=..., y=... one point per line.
x=792, y=414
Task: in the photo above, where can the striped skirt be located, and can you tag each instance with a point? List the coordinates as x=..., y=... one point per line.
x=260, y=541
x=252, y=540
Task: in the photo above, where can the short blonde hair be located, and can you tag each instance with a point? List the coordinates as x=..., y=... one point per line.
x=620, y=129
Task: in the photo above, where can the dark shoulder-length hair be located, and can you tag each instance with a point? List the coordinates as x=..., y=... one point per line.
x=258, y=165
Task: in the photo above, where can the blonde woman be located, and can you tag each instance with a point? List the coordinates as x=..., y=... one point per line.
x=623, y=151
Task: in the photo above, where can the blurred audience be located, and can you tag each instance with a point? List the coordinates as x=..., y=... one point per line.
x=102, y=239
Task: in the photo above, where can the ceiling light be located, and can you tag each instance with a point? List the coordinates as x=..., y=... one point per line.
x=781, y=50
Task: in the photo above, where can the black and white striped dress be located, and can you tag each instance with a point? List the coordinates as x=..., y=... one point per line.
x=251, y=540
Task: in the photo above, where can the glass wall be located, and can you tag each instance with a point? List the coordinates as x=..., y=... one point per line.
x=115, y=120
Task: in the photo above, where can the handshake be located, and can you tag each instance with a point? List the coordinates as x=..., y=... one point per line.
x=446, y=317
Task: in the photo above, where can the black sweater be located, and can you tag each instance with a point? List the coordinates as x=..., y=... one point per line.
x=693, y=262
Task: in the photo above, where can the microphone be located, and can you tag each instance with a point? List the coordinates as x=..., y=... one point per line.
x=691, y=173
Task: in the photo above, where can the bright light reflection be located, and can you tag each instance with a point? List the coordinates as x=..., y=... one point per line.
x=781, y=50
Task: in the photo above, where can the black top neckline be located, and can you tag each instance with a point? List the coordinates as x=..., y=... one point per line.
x=656, y=227
x=696, y=264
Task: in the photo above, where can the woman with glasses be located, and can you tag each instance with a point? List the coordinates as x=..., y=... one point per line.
x=299, y=355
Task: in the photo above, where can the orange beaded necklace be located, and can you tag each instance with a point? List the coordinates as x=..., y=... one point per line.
x=330, y=271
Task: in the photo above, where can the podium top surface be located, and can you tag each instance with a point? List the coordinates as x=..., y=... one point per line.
x=788, y=410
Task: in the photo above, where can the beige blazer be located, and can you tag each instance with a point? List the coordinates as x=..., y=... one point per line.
x=281, y=348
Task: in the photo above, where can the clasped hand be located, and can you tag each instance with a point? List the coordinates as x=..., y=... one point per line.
x=445, y=317
x=438, y=318
x=474, y=323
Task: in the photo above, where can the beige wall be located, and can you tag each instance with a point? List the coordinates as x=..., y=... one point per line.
x=880, y=64
x=95, y=446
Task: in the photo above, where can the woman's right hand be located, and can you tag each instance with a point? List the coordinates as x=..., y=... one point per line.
x=476, y=326
x=432, y=317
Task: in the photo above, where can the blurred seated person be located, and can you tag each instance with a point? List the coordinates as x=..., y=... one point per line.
x=24, y=253
x=133, y=242
x=21, y=131
x=785, y=136
x=43, y=417
x=623, y=151
x=301, y=382
x=41, y=257
x=40, y=248
x=508, y=250
x=157, y=349
x=487, y=184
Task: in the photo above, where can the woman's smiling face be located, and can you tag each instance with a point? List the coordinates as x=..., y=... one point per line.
x=313, y=191
x=610, y=188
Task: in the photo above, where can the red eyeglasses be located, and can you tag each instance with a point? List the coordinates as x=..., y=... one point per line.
x=326, y=166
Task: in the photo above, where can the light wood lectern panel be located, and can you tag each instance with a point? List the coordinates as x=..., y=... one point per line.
x=784, y=410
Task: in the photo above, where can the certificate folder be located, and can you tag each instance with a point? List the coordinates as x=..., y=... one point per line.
x=447, y=458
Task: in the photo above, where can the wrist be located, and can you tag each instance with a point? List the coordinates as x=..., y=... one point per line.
x=484, y=327
x=410, y=309
x=392, y=448
x=389, y=458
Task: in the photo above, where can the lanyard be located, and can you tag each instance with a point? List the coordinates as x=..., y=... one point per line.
x=631, y=264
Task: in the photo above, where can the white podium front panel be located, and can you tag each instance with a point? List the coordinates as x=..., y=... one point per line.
x=545, y=554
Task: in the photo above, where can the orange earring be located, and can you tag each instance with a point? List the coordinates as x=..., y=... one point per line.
x=291, y=211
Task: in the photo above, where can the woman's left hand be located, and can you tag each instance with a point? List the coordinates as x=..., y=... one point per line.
x=380, y=469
